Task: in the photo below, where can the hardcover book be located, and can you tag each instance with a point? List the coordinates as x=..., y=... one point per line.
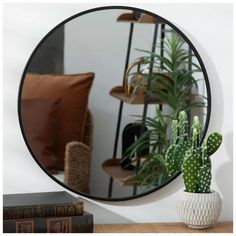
x=36, y=205
x=69, y=224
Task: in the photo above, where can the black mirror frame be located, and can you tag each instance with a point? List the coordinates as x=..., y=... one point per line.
x=94, y=10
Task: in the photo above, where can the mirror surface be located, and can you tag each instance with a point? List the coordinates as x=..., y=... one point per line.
x=98, y=96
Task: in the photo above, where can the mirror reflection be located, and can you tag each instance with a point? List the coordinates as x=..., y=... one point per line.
x=98, y=98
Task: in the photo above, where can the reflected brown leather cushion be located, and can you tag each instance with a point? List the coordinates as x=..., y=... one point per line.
x=39, y=121
x=73, y=90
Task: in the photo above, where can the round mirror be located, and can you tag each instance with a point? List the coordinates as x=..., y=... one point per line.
x=98, y=95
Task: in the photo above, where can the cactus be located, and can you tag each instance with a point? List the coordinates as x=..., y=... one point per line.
x=192, y=160
x=196, y=131
x=180, y=151
x=176, y=151
x=196, y=166
x=190, y=168
x=175, y=130
x=205, y=157
x=203, y=180
x=213, y=143
x=187, y=154
x=170, y=162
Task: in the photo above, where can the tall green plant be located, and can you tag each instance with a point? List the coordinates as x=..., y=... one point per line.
x=174, y=85
x=152, y=171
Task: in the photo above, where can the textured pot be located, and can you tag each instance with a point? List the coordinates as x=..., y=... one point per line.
x=199, y=210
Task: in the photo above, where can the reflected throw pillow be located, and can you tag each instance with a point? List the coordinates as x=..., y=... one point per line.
x=73, y=92
x=39, y=122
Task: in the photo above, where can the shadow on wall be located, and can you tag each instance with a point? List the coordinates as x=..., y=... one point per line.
x=162, y=193
x=102, y=214
x=225, y=184
x=215, y=84
x=224, y=173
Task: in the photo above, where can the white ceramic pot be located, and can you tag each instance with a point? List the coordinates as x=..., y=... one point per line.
x=199, y=210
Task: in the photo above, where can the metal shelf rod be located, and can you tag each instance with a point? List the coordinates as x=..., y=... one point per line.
x=121, y=107
x=146, y=98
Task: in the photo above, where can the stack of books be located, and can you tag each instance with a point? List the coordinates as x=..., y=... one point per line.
x=50, y=212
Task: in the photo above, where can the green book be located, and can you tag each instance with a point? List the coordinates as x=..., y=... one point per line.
x=44, y=204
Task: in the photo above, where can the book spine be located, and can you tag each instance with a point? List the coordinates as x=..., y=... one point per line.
x=71, y=224
x=10, y=213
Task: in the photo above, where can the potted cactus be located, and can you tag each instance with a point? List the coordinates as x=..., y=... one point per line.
x=199, y=207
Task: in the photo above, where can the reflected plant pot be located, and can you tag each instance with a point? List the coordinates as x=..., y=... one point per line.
x=199, y=210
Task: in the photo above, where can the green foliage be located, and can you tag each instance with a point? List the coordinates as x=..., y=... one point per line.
x=153, y=170
x=151, y=173
x=174, y=85
x=155, y=137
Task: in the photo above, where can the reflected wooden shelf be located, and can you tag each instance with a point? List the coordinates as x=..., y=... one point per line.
x=118, y=92
x=113, y=168
x=143, y=19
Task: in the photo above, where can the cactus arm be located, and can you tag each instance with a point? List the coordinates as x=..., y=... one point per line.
x=194, y=138
x=204, y=180
x=180, y=151
x=190, y=168
x=175, y=131
x=181, y=145
x=205, y=157
x=183, y=125
x=213, y=142
x=198, y=129
x=169, y=158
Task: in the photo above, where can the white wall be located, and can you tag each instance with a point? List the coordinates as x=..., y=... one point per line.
x=211, y=33
x=96, y=42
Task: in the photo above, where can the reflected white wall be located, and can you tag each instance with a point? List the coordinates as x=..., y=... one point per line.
x=97, y=42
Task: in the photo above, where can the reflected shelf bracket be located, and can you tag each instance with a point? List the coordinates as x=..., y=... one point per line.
x=112, y=166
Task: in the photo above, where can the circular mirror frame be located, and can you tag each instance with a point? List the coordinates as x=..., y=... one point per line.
x=117, y=8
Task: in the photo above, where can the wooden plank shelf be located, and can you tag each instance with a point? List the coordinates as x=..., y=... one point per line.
x=143, y=19
x=165, y=227
x=113, y=168
x=118, y=92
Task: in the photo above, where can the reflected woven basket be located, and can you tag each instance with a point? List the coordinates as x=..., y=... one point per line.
x=78, y=157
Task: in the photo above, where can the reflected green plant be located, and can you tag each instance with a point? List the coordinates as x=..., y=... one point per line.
x=174, y=87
